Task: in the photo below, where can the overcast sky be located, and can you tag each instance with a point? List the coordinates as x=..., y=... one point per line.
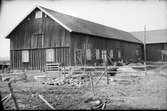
x=126, y=15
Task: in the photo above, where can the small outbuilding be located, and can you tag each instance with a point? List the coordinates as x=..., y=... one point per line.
x=46, y=36
x=156, y=44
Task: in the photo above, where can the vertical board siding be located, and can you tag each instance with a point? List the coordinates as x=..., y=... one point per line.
x=27, y=36
x=82, y=41
x=37, y=58
x=23, y=37
x=154, y=51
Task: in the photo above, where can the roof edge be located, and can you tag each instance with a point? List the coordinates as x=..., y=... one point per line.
x=29, y=12
x=21, y=20
x=56, y=20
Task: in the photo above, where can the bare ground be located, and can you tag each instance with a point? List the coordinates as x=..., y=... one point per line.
x=123, y=92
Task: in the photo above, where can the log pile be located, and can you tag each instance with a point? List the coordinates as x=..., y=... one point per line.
x=70, y=81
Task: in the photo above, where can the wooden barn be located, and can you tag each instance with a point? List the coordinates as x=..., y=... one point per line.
x=46, y=36
x=156, y=44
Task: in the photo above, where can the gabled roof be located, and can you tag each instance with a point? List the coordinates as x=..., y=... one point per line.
x=74, y=24
x=152, y=36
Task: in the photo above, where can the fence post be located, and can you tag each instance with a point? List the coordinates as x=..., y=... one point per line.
x=92, y=86
x=107, y=74
x=13, y=96
x=107, y=78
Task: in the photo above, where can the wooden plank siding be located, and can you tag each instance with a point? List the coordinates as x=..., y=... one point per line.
x=154, y=51
x=37, y=58
x=37, y=35
x=128, y=50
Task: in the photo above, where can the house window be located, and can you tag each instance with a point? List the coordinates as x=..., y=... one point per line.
x=38, y=14
x=88, y=54
x=104, y=55
x=119, y=53
x=97, y=54
x=111, y=54
x=25, y=56
x=50, y=55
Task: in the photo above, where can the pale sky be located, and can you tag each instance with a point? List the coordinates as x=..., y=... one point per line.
x=125, y=15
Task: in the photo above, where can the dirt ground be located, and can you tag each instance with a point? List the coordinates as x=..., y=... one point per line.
x=124, y=91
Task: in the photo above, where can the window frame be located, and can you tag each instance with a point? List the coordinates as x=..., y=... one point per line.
x=38, y=14
x=119, y=54
x=111, y=50
x=50, y=55
x=97, y=54
x=25, y=56
x=104, y=54
x=88, y=54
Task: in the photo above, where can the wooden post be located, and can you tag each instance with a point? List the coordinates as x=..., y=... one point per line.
x=107, y=78
x=145, y=59
x=13, y=96
x=92, y=86
x=106, y=72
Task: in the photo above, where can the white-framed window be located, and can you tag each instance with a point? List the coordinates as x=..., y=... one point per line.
x=50, y=55
x=119, y=53
x=97, y=54
x=38, y=14
x=88, y=54
x=111, y=53
x=104, y=55
x=25, y=56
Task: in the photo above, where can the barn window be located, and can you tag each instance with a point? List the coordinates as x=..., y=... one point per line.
x=25, y=56
x=104, y=55
x=88, y=54
x=50, y=55
x=137, y=52
x=111, y=53
x=38, y=14
x=97, y=54
x=119, y=53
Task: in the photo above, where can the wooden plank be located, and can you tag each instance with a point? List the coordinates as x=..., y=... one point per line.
x=56, y=55
x=33, y=60
x=46, y=102
x=17, y=59
x=6, y=97
x=30, y=59
x=63, y=53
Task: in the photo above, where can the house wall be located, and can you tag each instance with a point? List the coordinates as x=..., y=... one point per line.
x=82, y=41
x=37, y=35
